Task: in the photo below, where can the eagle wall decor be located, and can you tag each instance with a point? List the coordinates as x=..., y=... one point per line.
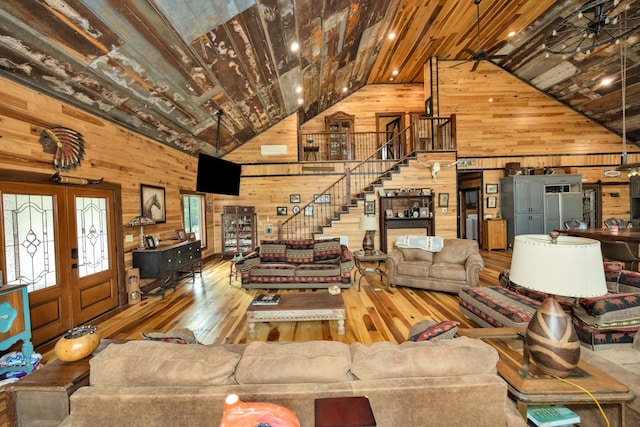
x=66, y=145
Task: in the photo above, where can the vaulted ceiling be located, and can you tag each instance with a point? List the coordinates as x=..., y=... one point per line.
x=175, y=69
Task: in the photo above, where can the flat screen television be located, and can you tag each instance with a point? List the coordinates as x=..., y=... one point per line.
x=218, y=176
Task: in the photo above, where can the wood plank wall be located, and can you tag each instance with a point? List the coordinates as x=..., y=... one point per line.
x=521, y=125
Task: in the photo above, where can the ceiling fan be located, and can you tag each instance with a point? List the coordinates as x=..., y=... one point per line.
x=480, y=54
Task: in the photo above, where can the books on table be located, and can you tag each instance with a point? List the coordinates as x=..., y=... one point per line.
x=552, y=416
x=266, y=299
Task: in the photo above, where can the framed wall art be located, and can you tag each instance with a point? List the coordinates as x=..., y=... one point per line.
x=191, y=237
x=443, y=200
x=308, y=210
x=322, y=198
x=492, y=188
x=182, y=235
x=281, y=210
x=294, y=198
x=370, y=207
x=492, y=202
x=153, y=202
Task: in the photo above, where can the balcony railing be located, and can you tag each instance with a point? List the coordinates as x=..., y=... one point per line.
x=426, y=134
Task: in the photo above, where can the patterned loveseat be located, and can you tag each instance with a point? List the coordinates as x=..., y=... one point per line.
x=600, y=322
x=293, y=264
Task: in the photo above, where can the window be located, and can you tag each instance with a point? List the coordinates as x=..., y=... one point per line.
x=193, y=216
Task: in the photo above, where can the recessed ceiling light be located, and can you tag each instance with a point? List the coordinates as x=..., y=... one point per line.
x=300, y=101
x=345, y=89
x=299, y=89
x=511, y=34
x=392, y=36
x=394, y=72
x=390, y=79
x=295, y=46
x=606, y=81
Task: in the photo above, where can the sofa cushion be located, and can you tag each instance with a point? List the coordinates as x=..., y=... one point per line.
x=498, y=306
x=272, y=252
x=609, y=308
x=294, y=362
x=453, y=272
x=629, y=282
x=414, y=268
x=433, y=331
x=150, y=363
x=456, y=251
x=456, y=357
x=411, y=254
x=299, y=244
x=298, y=256
x=321, y=273
x=324, y=250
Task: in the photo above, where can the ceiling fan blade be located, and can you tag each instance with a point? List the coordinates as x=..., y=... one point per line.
x=470, y=52
x=461, y=63
x=475, y=65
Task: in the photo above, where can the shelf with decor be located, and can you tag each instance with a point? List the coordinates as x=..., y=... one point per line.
x=405, y=209
x=239, y=232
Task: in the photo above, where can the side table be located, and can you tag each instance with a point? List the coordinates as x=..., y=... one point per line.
x=42, y=397
x=377, y=257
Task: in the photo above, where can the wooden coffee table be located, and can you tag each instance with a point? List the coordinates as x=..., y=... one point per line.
x=536, y=388
x=299, y=307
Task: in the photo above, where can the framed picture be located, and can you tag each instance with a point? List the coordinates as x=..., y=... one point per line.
x=322, y=198
x=492, y=188
x=428, y=107
x=370, y=207
x=149, y=242
x=443, y=200
x=268, y=229
x=295, y=209
x=492, y=201
x=281, y=210
x=389, y=213
x=308, y=210
x=191, y=237
x=182, y=235
x=294, y=198
x=152, y=202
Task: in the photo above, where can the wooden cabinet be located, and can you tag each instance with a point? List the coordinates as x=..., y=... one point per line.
x=494, y=234
x=15, y=323
x=239, y=232
x=405, y=210
x=339, y=127
x=166, y=261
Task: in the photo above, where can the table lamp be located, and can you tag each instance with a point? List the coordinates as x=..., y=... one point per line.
x=368, y=224
x=556, y=265
x=141, y=221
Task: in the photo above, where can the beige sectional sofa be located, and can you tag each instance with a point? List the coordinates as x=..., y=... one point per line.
x=448, y=383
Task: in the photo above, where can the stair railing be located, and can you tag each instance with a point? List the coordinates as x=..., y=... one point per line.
x=339, y=196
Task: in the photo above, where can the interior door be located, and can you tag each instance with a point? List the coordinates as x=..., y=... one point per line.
x=59, y=241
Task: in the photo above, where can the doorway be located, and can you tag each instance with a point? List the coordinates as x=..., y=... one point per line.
x=60, y=242
x=389, y=127
x=470, y=207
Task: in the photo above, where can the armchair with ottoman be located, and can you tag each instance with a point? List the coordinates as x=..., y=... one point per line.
x=452, y=382
x=297, y=264
x=448, y=267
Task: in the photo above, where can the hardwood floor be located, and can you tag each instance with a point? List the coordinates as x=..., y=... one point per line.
x=214, y=310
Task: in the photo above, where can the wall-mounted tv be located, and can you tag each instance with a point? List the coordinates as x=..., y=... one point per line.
x=218, y=176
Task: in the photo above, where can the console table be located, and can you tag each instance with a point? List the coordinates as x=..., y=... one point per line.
x=166, y=261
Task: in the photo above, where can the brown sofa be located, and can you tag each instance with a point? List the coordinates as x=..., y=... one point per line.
x=297, y=264
x=454, y=267
x=451, y=382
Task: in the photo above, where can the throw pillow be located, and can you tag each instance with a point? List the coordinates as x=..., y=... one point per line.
x=175, y=336
x=436, y=331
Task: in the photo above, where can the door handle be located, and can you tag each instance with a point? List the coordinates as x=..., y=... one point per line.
x=74, y=266
x=74, y=253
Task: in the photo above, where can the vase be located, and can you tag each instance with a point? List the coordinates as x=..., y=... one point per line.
x=77, y=343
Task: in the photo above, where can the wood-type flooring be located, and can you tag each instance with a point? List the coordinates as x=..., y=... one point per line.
x=214, y=307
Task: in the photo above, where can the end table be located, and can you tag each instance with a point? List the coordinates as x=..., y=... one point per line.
x=377, y=257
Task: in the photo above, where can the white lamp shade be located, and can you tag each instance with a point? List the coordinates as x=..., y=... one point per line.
x=571, y=267
x=368, y=223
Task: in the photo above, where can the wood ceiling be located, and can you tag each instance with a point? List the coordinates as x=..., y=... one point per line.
x=167, y=68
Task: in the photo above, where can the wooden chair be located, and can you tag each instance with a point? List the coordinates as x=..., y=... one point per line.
x=619, y=251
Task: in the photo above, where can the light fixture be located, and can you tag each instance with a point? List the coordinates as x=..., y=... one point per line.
x=392, y=36
x=596, y=23
x=511, y=34
x=295, y=46
x=369, y=225
x=141, y=221
x=555, y=265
